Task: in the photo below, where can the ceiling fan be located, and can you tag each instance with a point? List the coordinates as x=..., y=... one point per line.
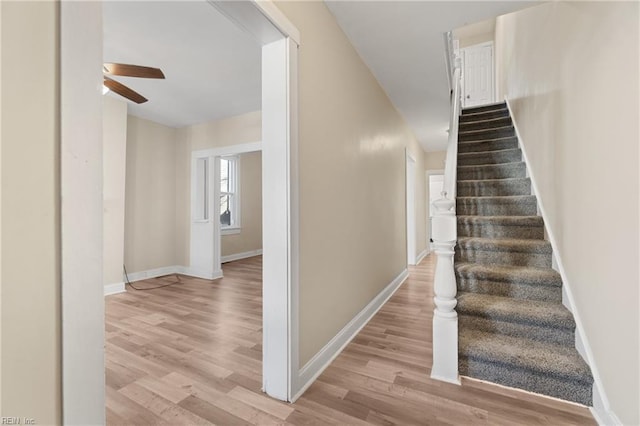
x=126, y=70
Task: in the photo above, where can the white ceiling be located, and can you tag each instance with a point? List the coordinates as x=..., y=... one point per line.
x=402, y=44
x=212, y=68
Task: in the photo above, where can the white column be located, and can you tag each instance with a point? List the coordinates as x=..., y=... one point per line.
x=445, y=318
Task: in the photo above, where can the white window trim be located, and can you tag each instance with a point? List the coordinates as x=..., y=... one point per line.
x=237, y=204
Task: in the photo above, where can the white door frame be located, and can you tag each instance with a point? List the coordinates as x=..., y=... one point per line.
x=205, y=260
x=463, y=53
x=82, y=299
x=428, y=174
x=411, y=208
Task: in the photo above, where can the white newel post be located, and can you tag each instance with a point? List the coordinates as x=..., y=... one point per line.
x=445, y=318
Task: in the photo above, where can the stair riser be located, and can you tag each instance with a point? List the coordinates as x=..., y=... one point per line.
x=561, y=336
x=482, y=135
x=509, y=258
x=490, y=157
x=492, y=145
x=567, y=389
x=501, y=171
x=481, y=207
x=494, y=189
x=485, y=124
x=506, y=289
x=500, y=231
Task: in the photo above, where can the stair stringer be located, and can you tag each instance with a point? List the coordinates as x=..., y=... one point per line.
x=601, y=409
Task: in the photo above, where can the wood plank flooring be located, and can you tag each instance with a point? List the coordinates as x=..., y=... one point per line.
x=190, y=354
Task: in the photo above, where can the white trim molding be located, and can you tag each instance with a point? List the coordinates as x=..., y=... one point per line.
x=601, y=409
x=238, y=256
x=115, y=288
x=316, y=365
x=170, y=270
x=237, y=149
x=422, y=254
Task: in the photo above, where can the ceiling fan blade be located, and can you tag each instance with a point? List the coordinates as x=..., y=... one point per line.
x=123, y=90
x=126, y=70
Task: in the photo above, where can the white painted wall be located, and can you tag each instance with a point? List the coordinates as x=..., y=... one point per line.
x=81, y=211
x=570, y=71
x=114, y=130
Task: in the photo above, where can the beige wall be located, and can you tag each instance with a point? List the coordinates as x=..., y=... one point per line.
x=250, y=236
x=150, y=209
x=114, y=129
x=476, y=33
x=245, y=128
x=352, y=180
x=30, y=244
x=434, y=160
x=571, y=73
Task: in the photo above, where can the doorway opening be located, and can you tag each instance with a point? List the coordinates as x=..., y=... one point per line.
x=435, y=182
x=81, y=231
x=411, y=209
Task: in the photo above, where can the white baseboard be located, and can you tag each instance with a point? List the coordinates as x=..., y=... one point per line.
x=601, y=411
x=238, y=256
x=422, y=255
x=152, y=273
x=601, y=408
x=331, y=350
x=114, y=288
x=175, y=269
x=205, y=275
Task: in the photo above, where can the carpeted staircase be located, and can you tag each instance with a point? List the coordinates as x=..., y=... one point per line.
x=513, y=327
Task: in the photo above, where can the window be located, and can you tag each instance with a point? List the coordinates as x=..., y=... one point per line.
x=229, y=194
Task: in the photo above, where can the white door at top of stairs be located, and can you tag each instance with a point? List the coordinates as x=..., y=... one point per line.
x=477, y=74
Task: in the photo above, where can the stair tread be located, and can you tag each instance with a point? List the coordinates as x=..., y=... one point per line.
x=484, y=108
x=486, y=130
x=481, y=153
x=505, y=198
x=522, y=311
x=486, y=120
x=522, y=274
x=505, y=180
x=505, y=244
x=502, y=220
x=540, y=357
x=512, y=164
x=502, y=138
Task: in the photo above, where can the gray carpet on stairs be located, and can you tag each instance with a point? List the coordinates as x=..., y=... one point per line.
x=513, y=327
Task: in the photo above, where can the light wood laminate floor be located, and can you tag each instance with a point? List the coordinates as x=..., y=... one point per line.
x=191, y=354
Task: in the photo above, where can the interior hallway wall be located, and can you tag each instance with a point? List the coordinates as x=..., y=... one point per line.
x=352, y=180
x=570, y=70
x=30, y=198
x=114, y=128
x=150, y=213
